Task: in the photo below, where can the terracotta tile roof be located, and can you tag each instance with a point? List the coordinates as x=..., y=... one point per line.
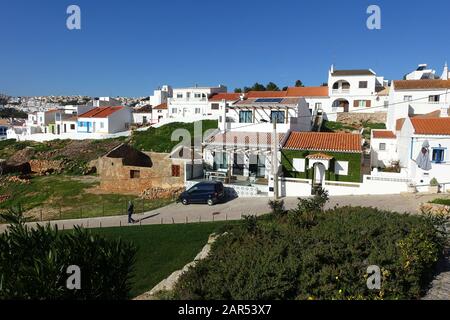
x=421, y=84
x=307, y=92
x=145, y=109
x=162, y=106
x=383, y=134
x=247, y=139
x=225, y=96
x=254, y=101
x=324, y=141
x=399, y=124
x=266, y=94
x=356, y=72
x=100, y=112
x=319, y=156
x=431, y=126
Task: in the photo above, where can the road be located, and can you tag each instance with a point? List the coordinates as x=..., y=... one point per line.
x=235, y=209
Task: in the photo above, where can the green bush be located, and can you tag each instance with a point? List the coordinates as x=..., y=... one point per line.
x=327, y=260
x=33, y=264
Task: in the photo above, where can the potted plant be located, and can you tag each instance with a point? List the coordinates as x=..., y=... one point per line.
x=434, y=186
x=412, y=188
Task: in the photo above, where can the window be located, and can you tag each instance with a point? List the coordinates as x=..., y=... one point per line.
x=407, y=98
x=361, y=103
x=298, y=165
x=135, y=174
x=215, y=106
x=102, y=125
x=72, y=127
x=174, y=110
x=438, y=155
x=279, y=116
x=341, y=168
x=197, y=110
x=382, y=147
x=363, y=84
x=433, y=99
x=179, y=95
x=318, y=105
x=198, y=95
x=220, y=160
x=176, y=170
x=386, y=104
x=144, y=119
x=245, y=116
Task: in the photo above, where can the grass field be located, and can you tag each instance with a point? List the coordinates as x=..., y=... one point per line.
x=162, y=249
x=66, y=197
x=159, y=139
x=445, y=202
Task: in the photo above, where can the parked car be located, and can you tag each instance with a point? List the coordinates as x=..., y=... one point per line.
x=210, y=192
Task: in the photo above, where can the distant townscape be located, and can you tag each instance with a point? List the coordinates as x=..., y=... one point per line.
x=269, y=140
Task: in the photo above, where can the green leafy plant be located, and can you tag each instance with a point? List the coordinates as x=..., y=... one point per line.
x=434, y=182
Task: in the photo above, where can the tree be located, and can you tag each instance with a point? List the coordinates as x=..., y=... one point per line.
x=238, y=90
x=258, y=87
x=272, y=87
x=285, y=88
x=299, y=83
x=4, y=99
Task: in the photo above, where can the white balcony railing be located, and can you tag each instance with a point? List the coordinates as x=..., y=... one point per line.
x=341, y=91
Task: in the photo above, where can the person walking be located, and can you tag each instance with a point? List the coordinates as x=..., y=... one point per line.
x=130, y=212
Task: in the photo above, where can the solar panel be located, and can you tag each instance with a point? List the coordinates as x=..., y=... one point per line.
x=277, y=100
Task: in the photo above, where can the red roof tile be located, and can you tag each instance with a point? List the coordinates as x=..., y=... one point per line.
x=431, y=126
x=383, y=134
x=266, y=94
x=421, y=84
x=225, y=96
x=324, y=141
x=162, y=106
x=100, y=112
x=307, y=92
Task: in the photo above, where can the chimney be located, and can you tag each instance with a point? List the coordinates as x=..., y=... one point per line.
x=445, y=72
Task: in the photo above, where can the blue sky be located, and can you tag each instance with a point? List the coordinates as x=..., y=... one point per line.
x=129, y=48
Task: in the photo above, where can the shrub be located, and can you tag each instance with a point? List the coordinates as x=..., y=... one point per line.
x=277, y=208
x=33, y=264
x=434, y=182
x=329, y=260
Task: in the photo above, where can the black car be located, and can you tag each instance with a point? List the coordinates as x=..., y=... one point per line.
x=204, y=192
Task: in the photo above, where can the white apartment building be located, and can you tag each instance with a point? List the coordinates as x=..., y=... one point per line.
x=356, y=91
x=191, y=102
x=161, y=95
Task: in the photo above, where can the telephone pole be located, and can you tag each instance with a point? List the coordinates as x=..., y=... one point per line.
x=275, y=158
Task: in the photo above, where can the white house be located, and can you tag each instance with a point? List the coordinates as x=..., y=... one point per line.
x=317, y=100
x=215, y=100
x=161, y=95
x=159, y=113
x=143, y=115
x=409, y=98
x=422, y=72
x=356, y=91
x=257, y=115
x=105, y=120
x=383, y=149
x=191, y=102
x=429, y=136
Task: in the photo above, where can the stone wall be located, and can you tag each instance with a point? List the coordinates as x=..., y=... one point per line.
x=43, y=167
x=119, y=178
x=353, y=117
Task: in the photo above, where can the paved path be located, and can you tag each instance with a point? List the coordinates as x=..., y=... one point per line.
x=235, y=209
x=440, y=287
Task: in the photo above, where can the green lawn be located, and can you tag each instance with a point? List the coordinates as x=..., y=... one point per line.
x=159, y=139
x=66, y=197
x=162, y=249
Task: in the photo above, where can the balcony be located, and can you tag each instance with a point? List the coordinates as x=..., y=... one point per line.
x=341, y=91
